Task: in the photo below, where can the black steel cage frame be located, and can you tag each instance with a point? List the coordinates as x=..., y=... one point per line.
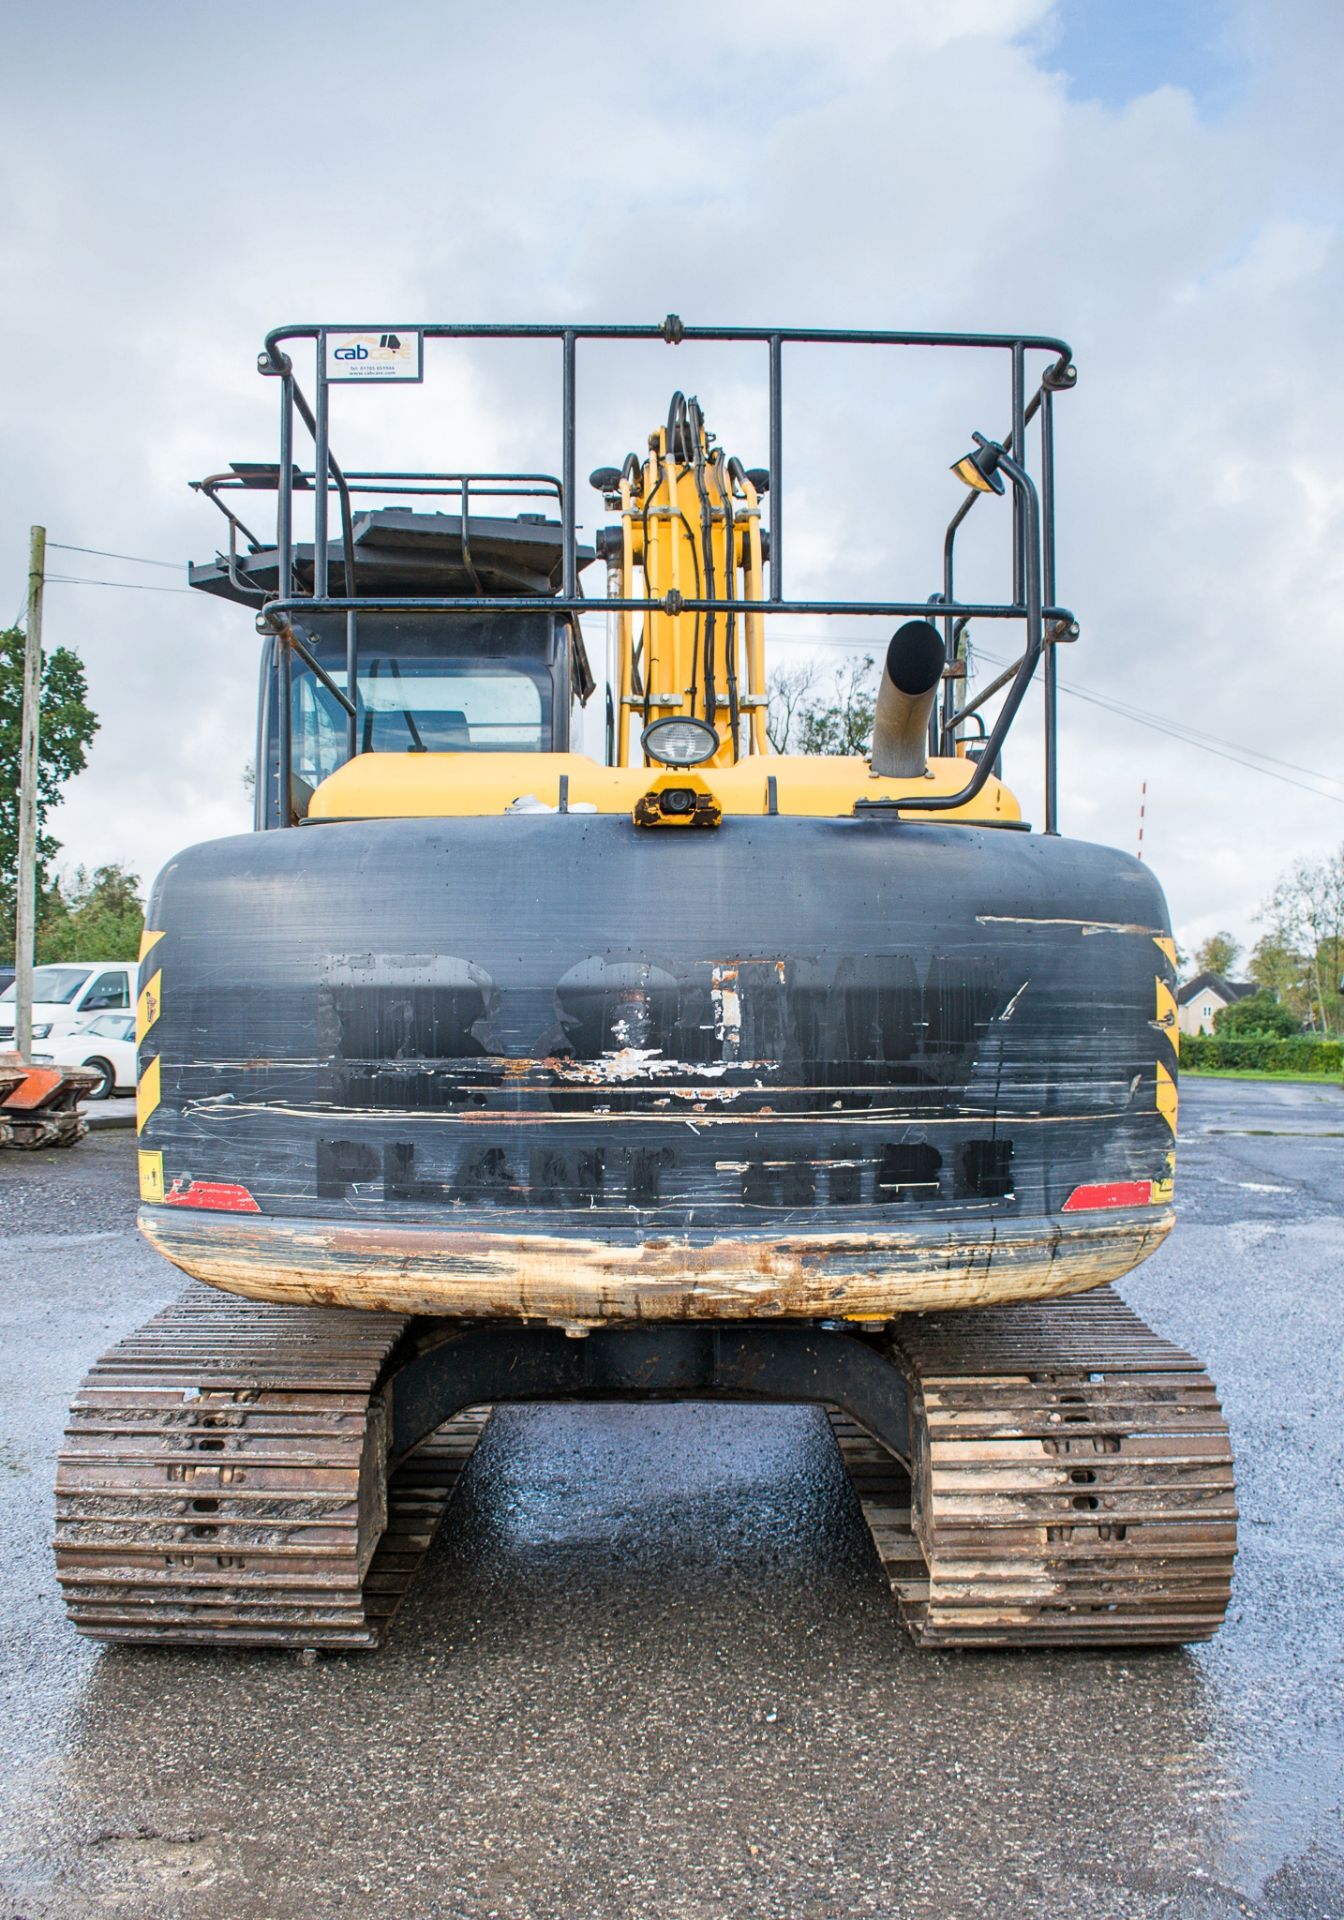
x=1033, y=523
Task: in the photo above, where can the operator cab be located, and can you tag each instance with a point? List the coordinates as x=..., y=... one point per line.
x=426, y=681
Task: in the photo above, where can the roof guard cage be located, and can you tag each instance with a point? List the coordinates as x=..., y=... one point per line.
x=1033, y=532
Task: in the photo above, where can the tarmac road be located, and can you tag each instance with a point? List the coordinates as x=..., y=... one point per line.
x=650, y=1667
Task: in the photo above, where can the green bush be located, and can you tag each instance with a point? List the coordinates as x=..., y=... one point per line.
x=1262, y=1054
x=1258, y=1016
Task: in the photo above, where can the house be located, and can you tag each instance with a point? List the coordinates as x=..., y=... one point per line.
x=1208, y=993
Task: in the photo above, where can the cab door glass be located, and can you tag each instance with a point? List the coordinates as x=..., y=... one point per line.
x=108, y=990
x=422, y=706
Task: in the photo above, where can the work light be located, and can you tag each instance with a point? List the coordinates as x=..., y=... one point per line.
x=679, y=742
x=980, y=469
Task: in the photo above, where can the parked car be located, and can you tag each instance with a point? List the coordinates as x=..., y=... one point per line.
x=64, y=996
x=6, y=977
x=106, y=1043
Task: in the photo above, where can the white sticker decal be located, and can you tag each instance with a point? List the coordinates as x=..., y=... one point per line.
x=374, y=356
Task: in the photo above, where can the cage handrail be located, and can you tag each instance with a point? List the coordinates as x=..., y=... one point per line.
x=671, y=330
x=293, y=635
x=236, y=526
x=1055, y=379
x=327, y=462
x=1026, y=492
x=524, y=603
x=368, y=482
x=1033, y=545
x=532, y=486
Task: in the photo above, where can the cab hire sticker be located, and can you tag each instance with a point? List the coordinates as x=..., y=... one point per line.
x=373, y=356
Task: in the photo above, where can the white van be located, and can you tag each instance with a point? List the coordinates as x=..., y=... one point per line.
x=66, y=995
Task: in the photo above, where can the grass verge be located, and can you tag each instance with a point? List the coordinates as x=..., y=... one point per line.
x=1253, y=1073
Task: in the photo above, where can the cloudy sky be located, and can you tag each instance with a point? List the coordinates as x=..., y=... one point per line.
x=1156, y=180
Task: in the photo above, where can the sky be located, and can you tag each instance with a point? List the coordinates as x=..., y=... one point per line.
x=1156, y=181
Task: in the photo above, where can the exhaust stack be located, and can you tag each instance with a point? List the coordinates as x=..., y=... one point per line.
x=910, y=681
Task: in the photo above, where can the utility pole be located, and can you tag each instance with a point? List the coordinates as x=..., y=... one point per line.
x=25, y=910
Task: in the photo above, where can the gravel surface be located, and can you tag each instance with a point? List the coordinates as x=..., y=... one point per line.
x=650, y=1667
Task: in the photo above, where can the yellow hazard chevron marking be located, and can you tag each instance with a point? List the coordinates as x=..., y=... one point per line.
x=148, y=940
x=1164, y=1188
x=147, y=1006
x=1166, y=1095
x=1162, y=941
x=151, y=1175
x=1166, y=1013
x=148, y=1095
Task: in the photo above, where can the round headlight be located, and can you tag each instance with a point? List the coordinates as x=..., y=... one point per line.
x=677, y=742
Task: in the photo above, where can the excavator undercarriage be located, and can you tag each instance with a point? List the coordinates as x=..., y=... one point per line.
x=1049, y=1474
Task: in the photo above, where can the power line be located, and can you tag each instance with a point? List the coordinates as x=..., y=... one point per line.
x=1189, y=740
x=128, y=586
x=1209, y=743
x=1249, y=758
x=1227, y=750
x=101, y=553
x=1232, y=750
x=1198, y=733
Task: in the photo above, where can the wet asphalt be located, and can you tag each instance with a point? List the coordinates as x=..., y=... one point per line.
x=651, y=1668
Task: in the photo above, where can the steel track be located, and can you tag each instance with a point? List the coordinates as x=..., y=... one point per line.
x=1070, y=1481
x=224, y=1480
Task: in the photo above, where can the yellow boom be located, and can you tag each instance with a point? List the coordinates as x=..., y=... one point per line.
x=690, y=529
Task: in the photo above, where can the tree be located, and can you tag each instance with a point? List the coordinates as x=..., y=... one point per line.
x=787, y=689
x=838, y=719
x=95, y=916
x=66, y=726
x=1305, y=912
x=1219, y=954
x=1258, y=1016
x=1284, y=973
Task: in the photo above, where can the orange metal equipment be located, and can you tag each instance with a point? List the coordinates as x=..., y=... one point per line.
x=38, y=1104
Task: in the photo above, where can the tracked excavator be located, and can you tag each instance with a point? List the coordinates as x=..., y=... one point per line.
x=490, y=1069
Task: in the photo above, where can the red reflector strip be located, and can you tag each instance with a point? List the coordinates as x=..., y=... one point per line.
x=216, y=1195
x=1112, y=1193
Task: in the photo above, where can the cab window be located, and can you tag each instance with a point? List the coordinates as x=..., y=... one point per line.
x=424, y=707
x=108, y=990
x=469, y=683
x=57, y=986
x=112, y=1026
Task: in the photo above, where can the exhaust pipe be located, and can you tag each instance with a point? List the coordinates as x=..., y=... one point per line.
x=910, y=680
